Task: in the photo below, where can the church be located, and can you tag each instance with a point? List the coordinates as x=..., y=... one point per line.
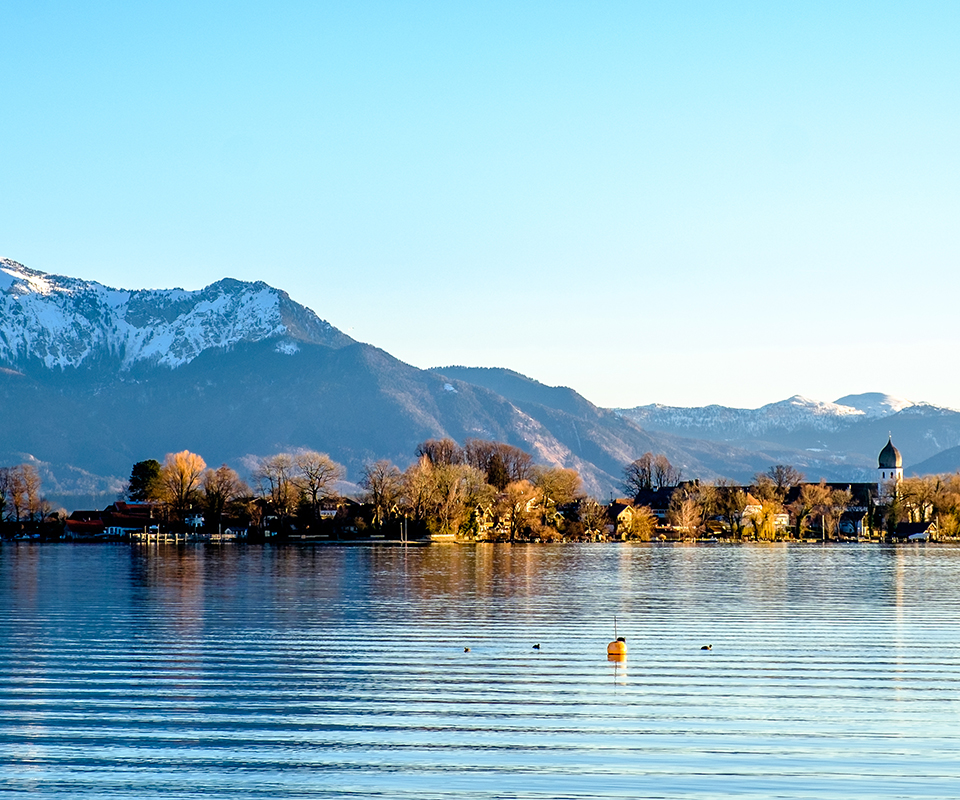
x=890, y=468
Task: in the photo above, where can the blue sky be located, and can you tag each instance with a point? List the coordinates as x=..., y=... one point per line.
x=684, y=203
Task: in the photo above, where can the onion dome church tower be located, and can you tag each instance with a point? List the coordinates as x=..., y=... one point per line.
x=890, y=468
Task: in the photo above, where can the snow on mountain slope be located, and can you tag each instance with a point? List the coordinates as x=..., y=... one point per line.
x=790, y=414
x=65, y=322
x=877, y=405
x=786, y=416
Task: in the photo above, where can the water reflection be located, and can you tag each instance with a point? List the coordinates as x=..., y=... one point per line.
x=326, y=671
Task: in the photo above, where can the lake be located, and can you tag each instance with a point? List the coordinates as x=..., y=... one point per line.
x=317, y=672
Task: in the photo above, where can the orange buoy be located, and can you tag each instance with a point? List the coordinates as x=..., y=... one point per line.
x=617, y=648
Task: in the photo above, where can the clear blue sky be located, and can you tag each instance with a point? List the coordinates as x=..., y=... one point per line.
x=683, y=203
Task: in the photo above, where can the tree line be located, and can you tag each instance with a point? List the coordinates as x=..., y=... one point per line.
x=483, y=489
x=482, y=486
x=754, y=511
x=288, y=488
x=491, y=490
x=21, y=500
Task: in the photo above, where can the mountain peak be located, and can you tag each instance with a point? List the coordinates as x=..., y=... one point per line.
x=16, y=278
x=876, y=404
x=60, y=322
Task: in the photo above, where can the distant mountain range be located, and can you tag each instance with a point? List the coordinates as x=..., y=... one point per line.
x=93, y=379
x=839, y=440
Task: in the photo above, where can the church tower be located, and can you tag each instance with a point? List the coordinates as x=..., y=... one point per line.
x=890, y=468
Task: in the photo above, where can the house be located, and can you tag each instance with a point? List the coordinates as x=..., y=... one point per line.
x=853, y=521
x=755, y=508
x=116, y=521
x=84, y=526
x=620, y=514
x=657, y=500
x=914, y=531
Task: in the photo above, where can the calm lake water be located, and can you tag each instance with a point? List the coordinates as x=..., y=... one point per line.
x=285, y=672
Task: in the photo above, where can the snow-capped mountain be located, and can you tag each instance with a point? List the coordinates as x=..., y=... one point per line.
x=877, y=404
x=60, y=322
x=94, y=379
x=786, y=416
x=726, y=422
x=840, y=438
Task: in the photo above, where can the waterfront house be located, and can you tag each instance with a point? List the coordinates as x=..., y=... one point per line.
x=116, y=521
x=905, y=531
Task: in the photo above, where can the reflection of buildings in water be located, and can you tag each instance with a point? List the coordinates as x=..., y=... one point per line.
x=898, y=572
x=170, y=585
x=483, y=571
x=22, y=574
x=172, y=577
x=898, y=619
x=483, y=554
x=767, y=571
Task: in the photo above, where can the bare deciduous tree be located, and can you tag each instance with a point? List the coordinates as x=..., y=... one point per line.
x=514, y=508
x=418, y=489
x=20, y=493
x=275, y=478
x=440, y=452
x=502, y=463
x=638, y=475
x=731, y=501
x=382, y=483
x=641, y=525
x=763, y=519
x=685, y=512
x=811, y=501
x=664, y=473
x=837, y=502
x=4, y=491
x=557, y=486
x=317, y=475
x=919, y=496
x=221, y=487
x=179, y=480
x=593, y=517
x=784, y=478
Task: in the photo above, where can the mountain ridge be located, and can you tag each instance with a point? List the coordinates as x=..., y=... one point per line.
x=99, y=378
x=54, y=321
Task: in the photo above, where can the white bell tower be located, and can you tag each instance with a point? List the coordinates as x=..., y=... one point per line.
x=889, y=469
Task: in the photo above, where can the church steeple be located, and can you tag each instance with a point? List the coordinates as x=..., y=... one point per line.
x=889, y=468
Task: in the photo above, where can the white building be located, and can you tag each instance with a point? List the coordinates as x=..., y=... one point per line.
x=890, y=469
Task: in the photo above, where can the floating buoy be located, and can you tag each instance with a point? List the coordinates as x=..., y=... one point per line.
x=617, y=648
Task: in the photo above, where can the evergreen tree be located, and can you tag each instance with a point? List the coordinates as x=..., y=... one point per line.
x=144, y=481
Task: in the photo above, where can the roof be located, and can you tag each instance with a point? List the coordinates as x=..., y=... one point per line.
x=616, y=508
x=890, y=457
x=905, y=529
x=655, y=498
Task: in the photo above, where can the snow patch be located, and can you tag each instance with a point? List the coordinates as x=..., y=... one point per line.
x=450, y=388
x=876, y=405
x=62, y=321
x=22, y=281
x=288, y=348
